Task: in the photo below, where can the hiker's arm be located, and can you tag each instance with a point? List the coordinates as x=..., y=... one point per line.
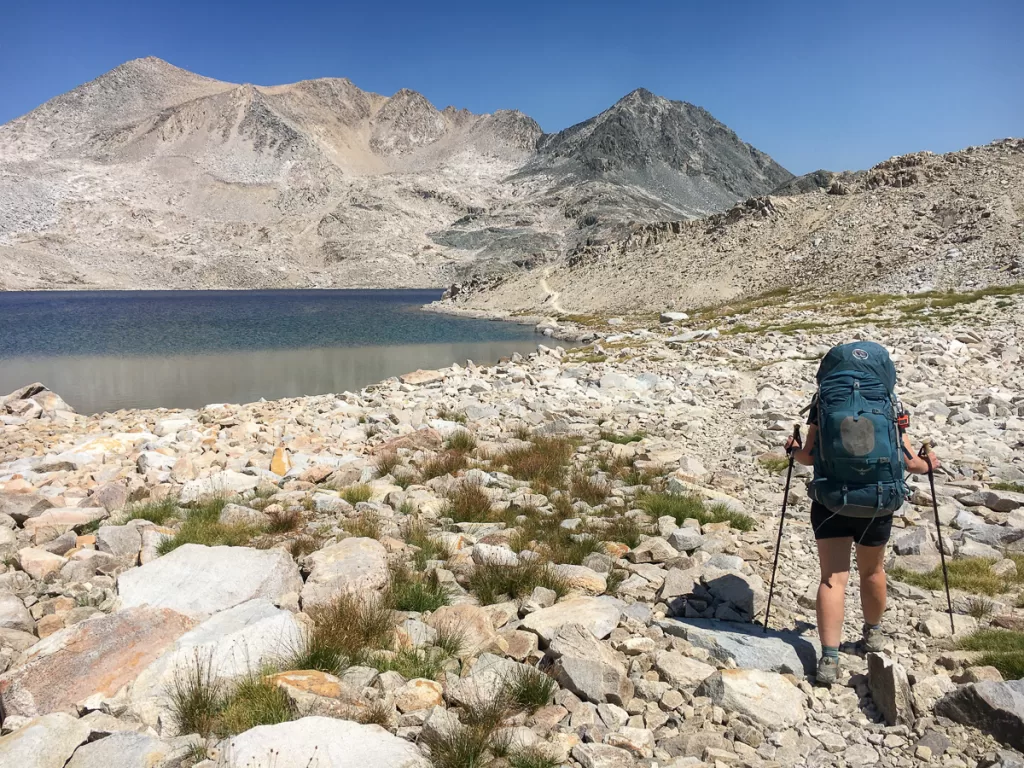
x=803, y=455
x=915, y=464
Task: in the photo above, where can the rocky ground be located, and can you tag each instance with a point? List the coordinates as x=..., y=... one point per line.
x=559, y=560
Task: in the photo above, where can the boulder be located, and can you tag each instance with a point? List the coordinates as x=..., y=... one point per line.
x=354, y=566
x=199, y=581
x=890, y=689
x=97, y=656
x=417, y=695
x=600, y=615
x=997, y=708
x=38, y=563
x=236, y=514
x=748, y=646
x=766, y=698
x=602, y=756
x=44, y=742
x=678, y=585
x=14, y=614
x=685, y=539
x=582, y=579
x=914, y=541
x=131, y=750
x=230, y=645
x=123, y=542
x=929, y=690
x=997, y=501
x=473, y=624
x=652, y=550
x=587, y=667
x=421, y=377
x=323, y=742
x=744, y=593
x=485, y=680
x=227, y=483
x=23, y=506
x=681, y=671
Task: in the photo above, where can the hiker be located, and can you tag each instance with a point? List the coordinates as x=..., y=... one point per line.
x=860, y=451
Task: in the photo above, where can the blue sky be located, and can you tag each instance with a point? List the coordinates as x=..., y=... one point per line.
x=815, y=83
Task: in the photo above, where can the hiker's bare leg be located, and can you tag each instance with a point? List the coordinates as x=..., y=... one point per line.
x=870, y=562
x=834, y=558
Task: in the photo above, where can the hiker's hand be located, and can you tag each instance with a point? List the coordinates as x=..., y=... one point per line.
x=934, y=460
x=791, y=444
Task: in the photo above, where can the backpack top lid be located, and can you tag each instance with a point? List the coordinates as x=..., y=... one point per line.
x=860, y=356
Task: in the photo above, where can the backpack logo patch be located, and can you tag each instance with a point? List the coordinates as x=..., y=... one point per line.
x=860, y=354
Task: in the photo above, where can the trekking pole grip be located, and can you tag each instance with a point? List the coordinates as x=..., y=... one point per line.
x=797, y=441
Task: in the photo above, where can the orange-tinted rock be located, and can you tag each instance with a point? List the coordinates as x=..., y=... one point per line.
x=281, y=462
x=96, y=656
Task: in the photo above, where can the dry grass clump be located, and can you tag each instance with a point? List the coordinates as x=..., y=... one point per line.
x=367, y=525
x=354, y=494
x=493, y=583
x=468, y=503
x=684, y=506
x=545, y=461
x=202, y=526
x=592, y=490
x=445, y=463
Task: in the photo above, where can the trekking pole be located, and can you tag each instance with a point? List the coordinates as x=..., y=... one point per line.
x=924, y=454
x=791, y=450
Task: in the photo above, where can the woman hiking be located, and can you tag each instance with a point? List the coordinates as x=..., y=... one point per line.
x=857, y=445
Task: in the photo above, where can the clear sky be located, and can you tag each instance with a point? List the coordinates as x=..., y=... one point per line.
x=815, y=83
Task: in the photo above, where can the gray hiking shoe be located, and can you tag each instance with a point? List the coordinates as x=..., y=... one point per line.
x=828, y=671
x=873, y=639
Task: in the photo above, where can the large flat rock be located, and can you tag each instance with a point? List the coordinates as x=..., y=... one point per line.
x=748, y=644
x=323, y=742
x=130, y=750
x=765, y=697
x=200, y=581
x=96, y=657
x=600, y=615
x=230, y=645
x=45, y=742
x=357, y=566
x=225, y=483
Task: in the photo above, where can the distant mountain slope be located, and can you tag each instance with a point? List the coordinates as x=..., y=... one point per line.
x=912, y=223
x=152, y=176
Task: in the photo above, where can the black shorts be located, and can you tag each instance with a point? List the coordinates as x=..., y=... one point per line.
x=869, y=531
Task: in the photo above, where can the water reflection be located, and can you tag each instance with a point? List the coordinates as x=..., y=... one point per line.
x=97, y=383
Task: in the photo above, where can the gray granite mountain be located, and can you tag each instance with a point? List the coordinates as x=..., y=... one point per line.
x=151, y=176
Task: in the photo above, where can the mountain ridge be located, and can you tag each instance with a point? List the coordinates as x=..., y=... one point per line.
x=154, y=176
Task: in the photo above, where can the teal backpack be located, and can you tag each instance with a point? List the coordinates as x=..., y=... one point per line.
x=859, y=453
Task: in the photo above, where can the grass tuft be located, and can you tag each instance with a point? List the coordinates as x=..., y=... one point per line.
x=461, y=441
x=970, y=574
x=494, y=583
x=468, y=503
x=386, y=463
x=202, y=526
x=354, y=494
x=623, y=439
x=586, y=488
x=446, y=413
x=1002, y=649
x=1012, y=487
x=680, y=507
x=195, y=697
x=530, y=688
x=627, y=530
x=428, y=547
x=531, y=757
x=774, y=464
x=367, y=525
x=284, y=521
x=409, y=591
x=544, y=461
x=254, y=701
x=446, y=463
x=157, y=512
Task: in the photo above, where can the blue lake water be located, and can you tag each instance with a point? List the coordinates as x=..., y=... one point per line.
x=107, y=350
